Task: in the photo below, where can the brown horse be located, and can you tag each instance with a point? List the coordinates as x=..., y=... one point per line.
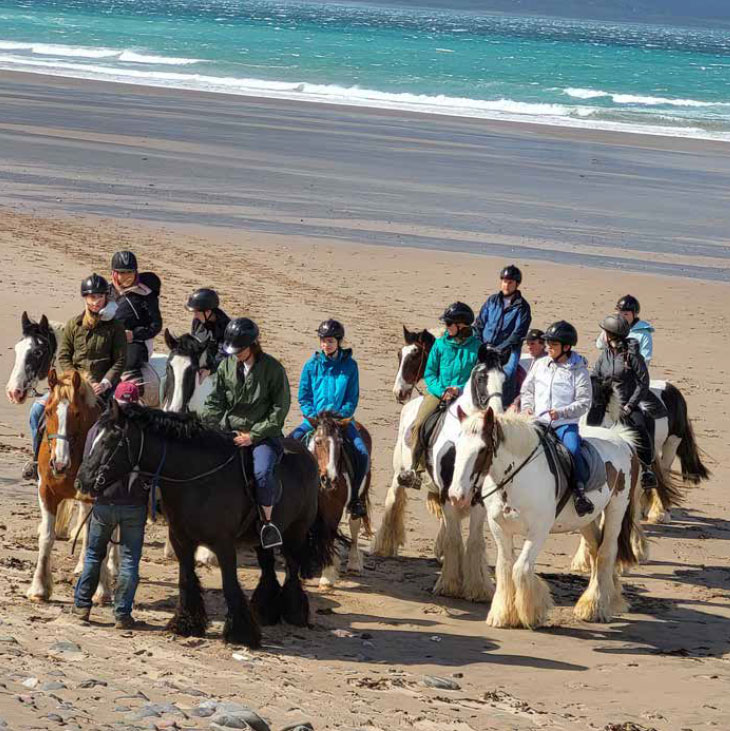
x=335, y=478
x=70, y=412
x=412, y=358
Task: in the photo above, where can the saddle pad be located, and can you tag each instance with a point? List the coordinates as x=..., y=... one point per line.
x=431, y=427
x=596, y=466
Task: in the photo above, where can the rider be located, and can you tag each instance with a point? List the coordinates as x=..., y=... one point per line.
x=209, y=323
x=503, y=322
x=448, y=368
x=92, y=342
x=331, y=382
x=640, y=330
x=251, y=398
x=622, y=365
x=558, y=392
x=123, y=504
x=535, y=342
x=138, y=309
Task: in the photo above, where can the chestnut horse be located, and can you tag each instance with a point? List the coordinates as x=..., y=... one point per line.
x=70, y=412
x=335, y=477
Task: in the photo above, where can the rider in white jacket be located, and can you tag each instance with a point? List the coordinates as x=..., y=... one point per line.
x=557, y=391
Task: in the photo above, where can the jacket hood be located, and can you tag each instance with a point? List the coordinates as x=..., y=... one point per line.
x=642, y=326
x=575, y=361
x=456, y=344
x=344, y=354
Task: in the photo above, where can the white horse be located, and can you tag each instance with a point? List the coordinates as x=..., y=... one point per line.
x=502, y=458
x=465, y=573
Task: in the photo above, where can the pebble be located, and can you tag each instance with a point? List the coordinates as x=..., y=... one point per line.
x=201, y=712
x=65, y=646
x=434, y=681
x=166, y=724
x=306, y=726
x=8, y=639
x=3, y=723
x=92, y=683
x=144, y=712
x=55, y=717
x=53, y=685
x=233, y=715
x=30, y=682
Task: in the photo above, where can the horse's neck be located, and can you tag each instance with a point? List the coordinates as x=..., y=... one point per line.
x=614, y=406
x=517, y=441
x=466, y=401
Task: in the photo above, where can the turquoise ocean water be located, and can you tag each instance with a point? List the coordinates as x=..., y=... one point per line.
x=661, y=80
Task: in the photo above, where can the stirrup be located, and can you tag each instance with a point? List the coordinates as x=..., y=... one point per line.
x=270, y=536
x=357, y=508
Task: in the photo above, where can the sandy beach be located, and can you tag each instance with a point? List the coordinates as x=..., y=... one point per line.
x=298, y=212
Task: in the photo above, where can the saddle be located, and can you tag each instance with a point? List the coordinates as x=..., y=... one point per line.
x=562, y=465
x=428, y=434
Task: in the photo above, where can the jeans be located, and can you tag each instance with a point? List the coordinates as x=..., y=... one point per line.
x=266, y=455
x=510, y=390
x=569, y=436
x=36, y=419
x=104, y=519
x=358, y=451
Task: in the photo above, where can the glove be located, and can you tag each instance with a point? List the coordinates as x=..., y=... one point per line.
x=627, y=410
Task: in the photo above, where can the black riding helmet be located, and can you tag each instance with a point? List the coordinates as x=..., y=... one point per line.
x=458, y=312
x=628, y=303
x=240, y=333
x=331, y=329
x=203, y=299
x=124, y=261
x=511, y=272
x=95, y=284
x=535, y=334
x=615, y=325
x=562, y=332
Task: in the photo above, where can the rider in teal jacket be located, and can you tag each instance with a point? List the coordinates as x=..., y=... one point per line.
x=331, y=382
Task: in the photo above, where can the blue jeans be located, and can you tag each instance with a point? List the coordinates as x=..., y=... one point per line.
x=509, y=393
x=266, y=455
x=569, y=436
x=359, y=451
x=104, y=519
x=35, y=419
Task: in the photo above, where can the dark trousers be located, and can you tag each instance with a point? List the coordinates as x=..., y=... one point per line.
x=137, y=356
x=644, y=428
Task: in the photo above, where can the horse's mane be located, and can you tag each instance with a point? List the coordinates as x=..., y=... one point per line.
x=180, y=427
x=519, y=432
x=188, y=345
x=329, y=419
x=64, y=389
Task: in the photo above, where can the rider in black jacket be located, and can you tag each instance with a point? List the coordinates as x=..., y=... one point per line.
x=209, y=323
x=623, y=366
x=138, y=308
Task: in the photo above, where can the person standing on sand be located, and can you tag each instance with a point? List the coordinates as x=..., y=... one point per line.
x=209, y=323
x=122, y=504
x=640, y=330
x=503, y=322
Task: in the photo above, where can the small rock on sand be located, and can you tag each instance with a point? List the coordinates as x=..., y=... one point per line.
x=434, y=681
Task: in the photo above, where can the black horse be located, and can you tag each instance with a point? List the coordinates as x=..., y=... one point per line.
x=201, y=477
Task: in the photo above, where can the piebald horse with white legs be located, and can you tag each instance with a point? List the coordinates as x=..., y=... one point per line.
x=501, y=461
x=465, y=572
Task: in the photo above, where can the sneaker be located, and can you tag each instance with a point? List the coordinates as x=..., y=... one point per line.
x=357, y=508
x=648, y=479
x=30, y=470
x=270, y=536
x=81, y=613
x=410, y=479
x=125, y=621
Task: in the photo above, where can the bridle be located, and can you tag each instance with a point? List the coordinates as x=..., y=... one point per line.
x=421, y=362
x=47, y=361
x=482, y=403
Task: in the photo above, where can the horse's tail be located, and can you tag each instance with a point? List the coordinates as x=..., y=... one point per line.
x=632, y=544
x=667, y=489
x=320, y=548
x=693, y=470
x=433, y=503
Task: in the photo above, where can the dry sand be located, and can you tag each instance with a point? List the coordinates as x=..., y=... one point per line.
x=362, y=666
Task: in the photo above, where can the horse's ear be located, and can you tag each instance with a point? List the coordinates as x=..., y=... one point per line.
x=460, y=413
x=25, y=321
x=408, y=336
x=43, y=323
x=427, y=338
x=76, y=380
x=170, y=340
x=52, y=378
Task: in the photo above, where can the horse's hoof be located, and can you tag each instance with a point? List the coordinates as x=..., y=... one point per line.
x=443, y=588
x=242, y=633
x=38, y=598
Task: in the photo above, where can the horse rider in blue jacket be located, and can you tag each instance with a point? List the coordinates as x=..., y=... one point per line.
x=503, y=323
x=331, y=382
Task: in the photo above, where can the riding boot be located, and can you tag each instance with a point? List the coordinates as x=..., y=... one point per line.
x=582, y=504
x=357, y=508
x=270, y=536
x=648, y=478
x=410, y=478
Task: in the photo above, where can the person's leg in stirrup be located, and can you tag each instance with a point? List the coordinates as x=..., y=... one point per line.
x=410, y=477
x=266, y=455
x=361, y=467
x=569, y=436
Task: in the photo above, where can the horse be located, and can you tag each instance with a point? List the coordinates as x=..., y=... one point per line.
x=412, y=359
x=205, y=481
x=674, y=437
x=463, y=574
x=186, y=388
x=70, y=412
x=326, y=443
x=501, y=460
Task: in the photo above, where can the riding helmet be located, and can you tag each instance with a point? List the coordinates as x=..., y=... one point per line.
x=535, y=334
x=124, y=261
x=240, y=333
x=203, y=299
x=562, y=332
x=616, y=325
x=331, y=329
x=458, y=313
x=95, y=284
x=628, y=303
x=511, y=272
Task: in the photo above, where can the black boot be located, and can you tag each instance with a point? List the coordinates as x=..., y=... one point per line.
x=270, y=536
x=357, y=508
x=648, y=478
x=582, y=504
x=30, y=470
